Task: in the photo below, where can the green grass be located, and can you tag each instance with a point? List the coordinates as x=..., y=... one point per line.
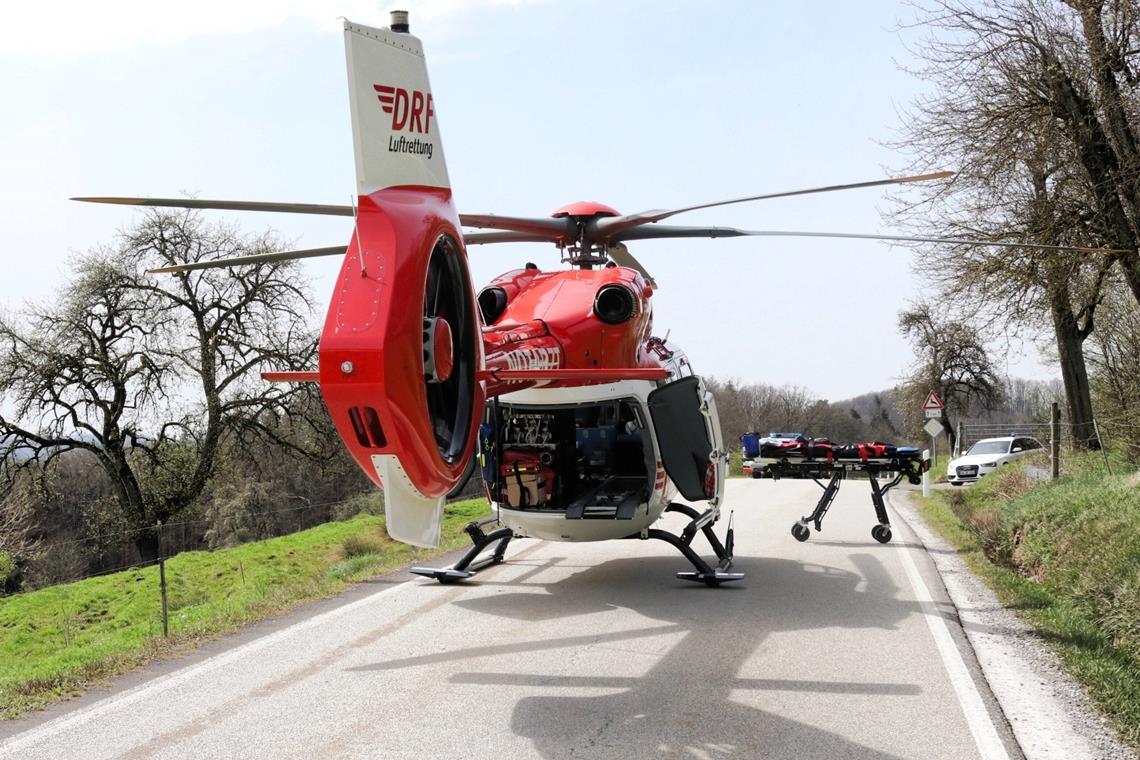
x=57, y=641
x=938, y=467
x=735, y=464
x=1066, y=557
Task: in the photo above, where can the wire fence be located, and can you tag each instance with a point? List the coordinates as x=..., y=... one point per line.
x=149, y=600
x=46, y=560
x=972, y=432
x=1100, y=434
x=68, y=560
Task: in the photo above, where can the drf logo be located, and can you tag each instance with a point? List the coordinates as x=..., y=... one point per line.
x=534, y=358
x=410, y=110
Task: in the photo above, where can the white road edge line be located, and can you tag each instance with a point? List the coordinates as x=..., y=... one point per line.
x=13, y=744
x=973, y=707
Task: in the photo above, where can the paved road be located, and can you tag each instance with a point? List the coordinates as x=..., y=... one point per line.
x=835, y=648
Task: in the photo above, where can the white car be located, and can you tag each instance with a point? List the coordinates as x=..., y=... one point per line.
x=987, y=455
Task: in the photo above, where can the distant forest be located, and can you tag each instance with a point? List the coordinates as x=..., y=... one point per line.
x=881, y=416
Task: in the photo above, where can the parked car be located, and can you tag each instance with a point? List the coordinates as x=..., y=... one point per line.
x=987, y=455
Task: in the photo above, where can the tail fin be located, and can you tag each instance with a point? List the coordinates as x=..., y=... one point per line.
x=401, y=351
x=395, y=132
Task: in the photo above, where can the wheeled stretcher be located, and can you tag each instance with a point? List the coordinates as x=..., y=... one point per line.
x=822, y=460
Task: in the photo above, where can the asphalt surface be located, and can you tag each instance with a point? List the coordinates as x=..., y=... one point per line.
x=835, y=648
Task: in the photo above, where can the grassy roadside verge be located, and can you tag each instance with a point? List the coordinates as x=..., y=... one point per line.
x=57, y=641
x=1066, y=557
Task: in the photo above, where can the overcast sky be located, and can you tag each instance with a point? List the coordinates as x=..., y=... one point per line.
x=638, y=105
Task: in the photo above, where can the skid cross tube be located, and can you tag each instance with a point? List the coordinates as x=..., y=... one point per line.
x=467, y=566
x=705, y=573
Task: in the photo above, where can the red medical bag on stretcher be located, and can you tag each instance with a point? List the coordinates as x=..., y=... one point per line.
x=807, y=448
x=865, y=451
x=527, y=482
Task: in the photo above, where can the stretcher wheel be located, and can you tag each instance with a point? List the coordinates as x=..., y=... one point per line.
x=881, y=533
x=800, y=532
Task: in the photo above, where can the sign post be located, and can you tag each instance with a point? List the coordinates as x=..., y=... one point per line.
x=933, y=428
x=925, y=475
x=933, y=409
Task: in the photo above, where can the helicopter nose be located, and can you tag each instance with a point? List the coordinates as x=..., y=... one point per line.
x=439, y=355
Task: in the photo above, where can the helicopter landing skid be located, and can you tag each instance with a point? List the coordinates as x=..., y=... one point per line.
x=705, y=573
x=471, y=563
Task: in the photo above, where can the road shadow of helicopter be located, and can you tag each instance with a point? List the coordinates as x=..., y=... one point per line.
x=684, y=705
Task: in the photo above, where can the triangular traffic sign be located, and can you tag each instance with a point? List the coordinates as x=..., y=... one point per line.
x=933, y=402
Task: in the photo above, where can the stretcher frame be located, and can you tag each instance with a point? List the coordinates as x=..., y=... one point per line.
x=836, y=471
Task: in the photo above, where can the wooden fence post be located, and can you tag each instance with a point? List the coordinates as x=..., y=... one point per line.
x=162, y=582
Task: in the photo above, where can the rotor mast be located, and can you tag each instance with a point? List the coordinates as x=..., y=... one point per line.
x=580, y=246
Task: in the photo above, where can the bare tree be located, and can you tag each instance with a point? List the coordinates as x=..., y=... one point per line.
x=1043, y=139
x=150, y=377
x=1114, y=363
x=19, y=545
x=951, y=361
x=1030, y=80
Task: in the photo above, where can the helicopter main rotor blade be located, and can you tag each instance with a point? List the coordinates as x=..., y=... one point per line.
x=259, y=258
x=667, y=231
x=287, y=208
x=607, y=227
x=549, y=229
x=483, y=238
x=623, y=258
x=674, y=231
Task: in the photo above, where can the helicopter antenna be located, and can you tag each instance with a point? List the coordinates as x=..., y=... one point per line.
x=356, y=229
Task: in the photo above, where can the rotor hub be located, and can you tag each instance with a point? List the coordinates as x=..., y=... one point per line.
x=584, y=209
x=578, y=247
x=439, y=352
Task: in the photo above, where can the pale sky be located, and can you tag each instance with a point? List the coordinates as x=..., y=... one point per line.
x=638, y=105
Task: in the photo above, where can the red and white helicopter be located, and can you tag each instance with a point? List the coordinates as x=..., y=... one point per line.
x=584, y=423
